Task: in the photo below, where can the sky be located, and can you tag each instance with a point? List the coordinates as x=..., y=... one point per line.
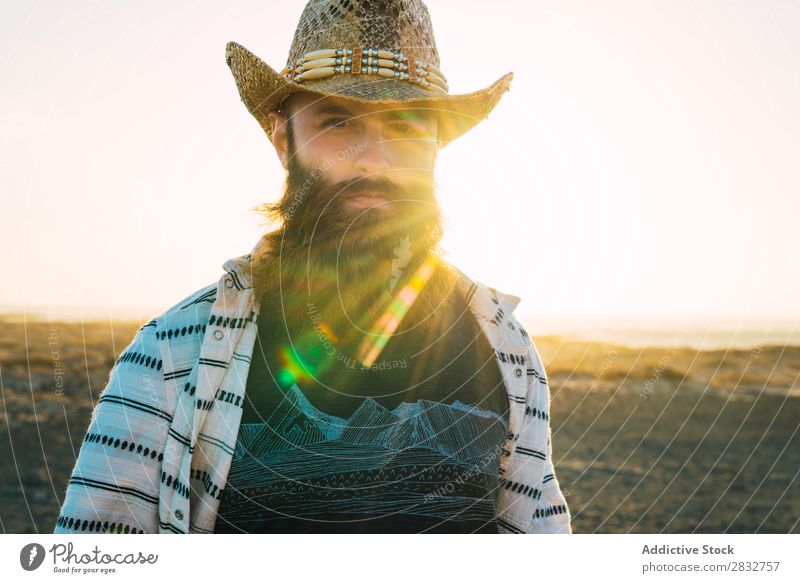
x=643, y=166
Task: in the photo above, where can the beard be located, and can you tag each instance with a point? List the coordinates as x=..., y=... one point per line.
x=344, y=264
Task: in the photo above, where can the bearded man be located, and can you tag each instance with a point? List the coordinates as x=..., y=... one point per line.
x=342, y=376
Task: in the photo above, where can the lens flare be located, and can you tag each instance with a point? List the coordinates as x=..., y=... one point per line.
x=377, y=338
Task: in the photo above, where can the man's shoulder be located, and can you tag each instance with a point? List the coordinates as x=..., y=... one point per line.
x=192, y=310
x=489, y=303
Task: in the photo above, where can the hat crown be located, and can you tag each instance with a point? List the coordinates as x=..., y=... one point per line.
x=397, y=25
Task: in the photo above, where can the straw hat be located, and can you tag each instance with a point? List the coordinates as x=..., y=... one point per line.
x=372, y=51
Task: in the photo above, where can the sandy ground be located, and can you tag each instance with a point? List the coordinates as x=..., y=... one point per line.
x=645, y=440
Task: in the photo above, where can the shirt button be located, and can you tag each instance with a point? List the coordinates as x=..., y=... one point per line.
x=228, y=282
x=518, y=372
x=218, y=334
x=179, y=514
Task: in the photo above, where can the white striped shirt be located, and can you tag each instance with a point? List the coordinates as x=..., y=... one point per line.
x=156, y=455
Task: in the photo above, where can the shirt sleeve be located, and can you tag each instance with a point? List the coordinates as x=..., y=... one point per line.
x=551, y=514
x=114, y=484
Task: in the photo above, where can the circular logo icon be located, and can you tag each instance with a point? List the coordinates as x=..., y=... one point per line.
x=31, y=556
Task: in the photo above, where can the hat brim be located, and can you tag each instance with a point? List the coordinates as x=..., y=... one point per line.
x=262, y=89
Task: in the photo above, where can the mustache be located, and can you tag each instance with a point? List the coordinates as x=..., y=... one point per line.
x=331, y=198
x=380, y=186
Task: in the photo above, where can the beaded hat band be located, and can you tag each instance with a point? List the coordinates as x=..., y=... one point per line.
x=370, y=51
x=364, y=61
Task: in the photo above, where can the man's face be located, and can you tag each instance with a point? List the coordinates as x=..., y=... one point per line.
x=360, y=175
x=354, y=141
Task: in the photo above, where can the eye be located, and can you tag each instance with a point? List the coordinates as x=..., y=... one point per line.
x=336, y=122
x=401, y=127
x=406, y=129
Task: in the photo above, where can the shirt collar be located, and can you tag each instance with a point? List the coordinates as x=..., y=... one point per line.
x=483, y=299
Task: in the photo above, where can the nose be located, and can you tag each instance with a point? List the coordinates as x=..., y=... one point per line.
x=372, y=157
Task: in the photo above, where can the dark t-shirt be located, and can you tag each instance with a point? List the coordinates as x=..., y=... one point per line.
x=409, y=444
